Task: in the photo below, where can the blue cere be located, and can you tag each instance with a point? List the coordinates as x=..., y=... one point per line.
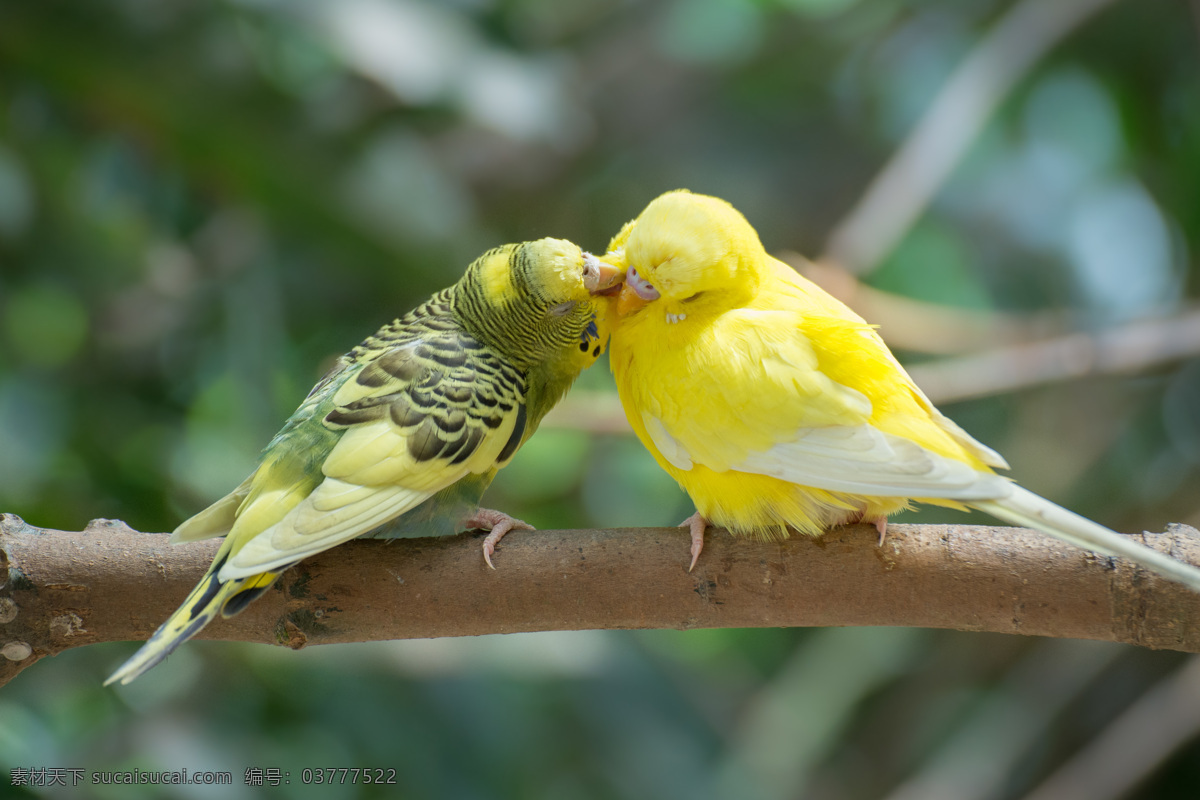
x=591, y=331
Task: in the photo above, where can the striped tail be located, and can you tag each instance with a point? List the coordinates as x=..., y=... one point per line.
x=210, y=598
x=1023, y=507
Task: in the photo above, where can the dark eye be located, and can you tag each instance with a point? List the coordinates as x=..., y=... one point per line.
x=561, y=309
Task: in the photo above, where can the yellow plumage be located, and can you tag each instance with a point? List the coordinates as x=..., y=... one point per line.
x=778, y=408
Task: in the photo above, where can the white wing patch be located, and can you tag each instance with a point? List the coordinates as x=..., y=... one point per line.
x=864, y=460
x=667, y=445
x=335, y=512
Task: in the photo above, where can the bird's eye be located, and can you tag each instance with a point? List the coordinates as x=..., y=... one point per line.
x=561, y=309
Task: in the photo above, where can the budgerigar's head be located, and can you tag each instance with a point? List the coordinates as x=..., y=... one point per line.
x=682, y=246
x=536, y=300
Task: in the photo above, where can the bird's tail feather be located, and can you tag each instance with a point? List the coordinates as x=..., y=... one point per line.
x=1023, y=507
x=210, y=598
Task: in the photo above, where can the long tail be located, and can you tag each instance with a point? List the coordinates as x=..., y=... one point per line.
x=1023, y=507
x=210, y=598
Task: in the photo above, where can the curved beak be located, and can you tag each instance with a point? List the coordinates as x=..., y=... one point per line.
x=636, y=293
x=600, y=277
x=629, y=301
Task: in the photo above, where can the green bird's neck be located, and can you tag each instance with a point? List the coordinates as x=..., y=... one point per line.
x=546, y=384
x=549, y=340
x=547, y=377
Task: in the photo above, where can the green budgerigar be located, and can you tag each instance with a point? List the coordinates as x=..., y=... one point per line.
x=407, y=431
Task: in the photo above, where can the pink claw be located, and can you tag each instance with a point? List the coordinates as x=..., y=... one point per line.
x=498, y=523
x=880, y=524
x=697, y=525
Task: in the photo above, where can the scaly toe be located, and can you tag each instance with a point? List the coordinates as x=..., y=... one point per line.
x=499, y=524
x=697, y=524
x=880, y=524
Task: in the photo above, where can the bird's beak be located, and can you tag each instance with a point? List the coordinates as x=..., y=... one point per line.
x=629, y=301
x=636, y=293
x=600, y=277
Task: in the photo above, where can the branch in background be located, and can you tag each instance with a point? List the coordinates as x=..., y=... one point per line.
x=902, y=190
x=995, y=736
x=924, y=327
x=1130, y=749
x=588, y=411
x=1125, y=349
x=110, y=583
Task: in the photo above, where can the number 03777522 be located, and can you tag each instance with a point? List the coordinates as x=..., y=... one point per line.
x=341, y=775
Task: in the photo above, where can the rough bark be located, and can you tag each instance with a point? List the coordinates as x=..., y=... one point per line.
x=110, y=583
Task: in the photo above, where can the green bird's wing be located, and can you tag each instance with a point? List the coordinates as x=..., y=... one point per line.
x=399, y=423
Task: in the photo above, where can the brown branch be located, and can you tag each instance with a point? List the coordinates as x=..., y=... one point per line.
x=1123, y=349
x=110, y=583
x=925, y=327
x=589, y=410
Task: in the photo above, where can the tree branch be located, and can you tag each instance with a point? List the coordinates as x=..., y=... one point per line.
x=923, y=326
x=110, y=583
x=1120, y=350
x=900, y=192
x=1134, y=745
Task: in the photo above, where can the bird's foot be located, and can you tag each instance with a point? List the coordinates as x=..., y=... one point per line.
x=498, y=523
x=880, y=524
x=697, y=525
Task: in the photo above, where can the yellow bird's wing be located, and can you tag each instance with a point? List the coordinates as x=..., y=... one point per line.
x=416, y=419
x=864, y=460
x=812, y=399
x=866, y=359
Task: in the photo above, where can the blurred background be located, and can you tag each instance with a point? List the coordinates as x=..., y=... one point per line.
x=203, y=204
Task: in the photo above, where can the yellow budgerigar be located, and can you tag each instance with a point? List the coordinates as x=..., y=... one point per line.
x=409, y=428
x=778, y=409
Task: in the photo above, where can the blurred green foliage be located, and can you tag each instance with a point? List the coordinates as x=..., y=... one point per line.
x=203, y=204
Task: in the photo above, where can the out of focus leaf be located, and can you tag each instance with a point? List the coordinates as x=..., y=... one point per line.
x=44, y=325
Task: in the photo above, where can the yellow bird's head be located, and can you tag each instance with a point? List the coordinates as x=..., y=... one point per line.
x=682, y=246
